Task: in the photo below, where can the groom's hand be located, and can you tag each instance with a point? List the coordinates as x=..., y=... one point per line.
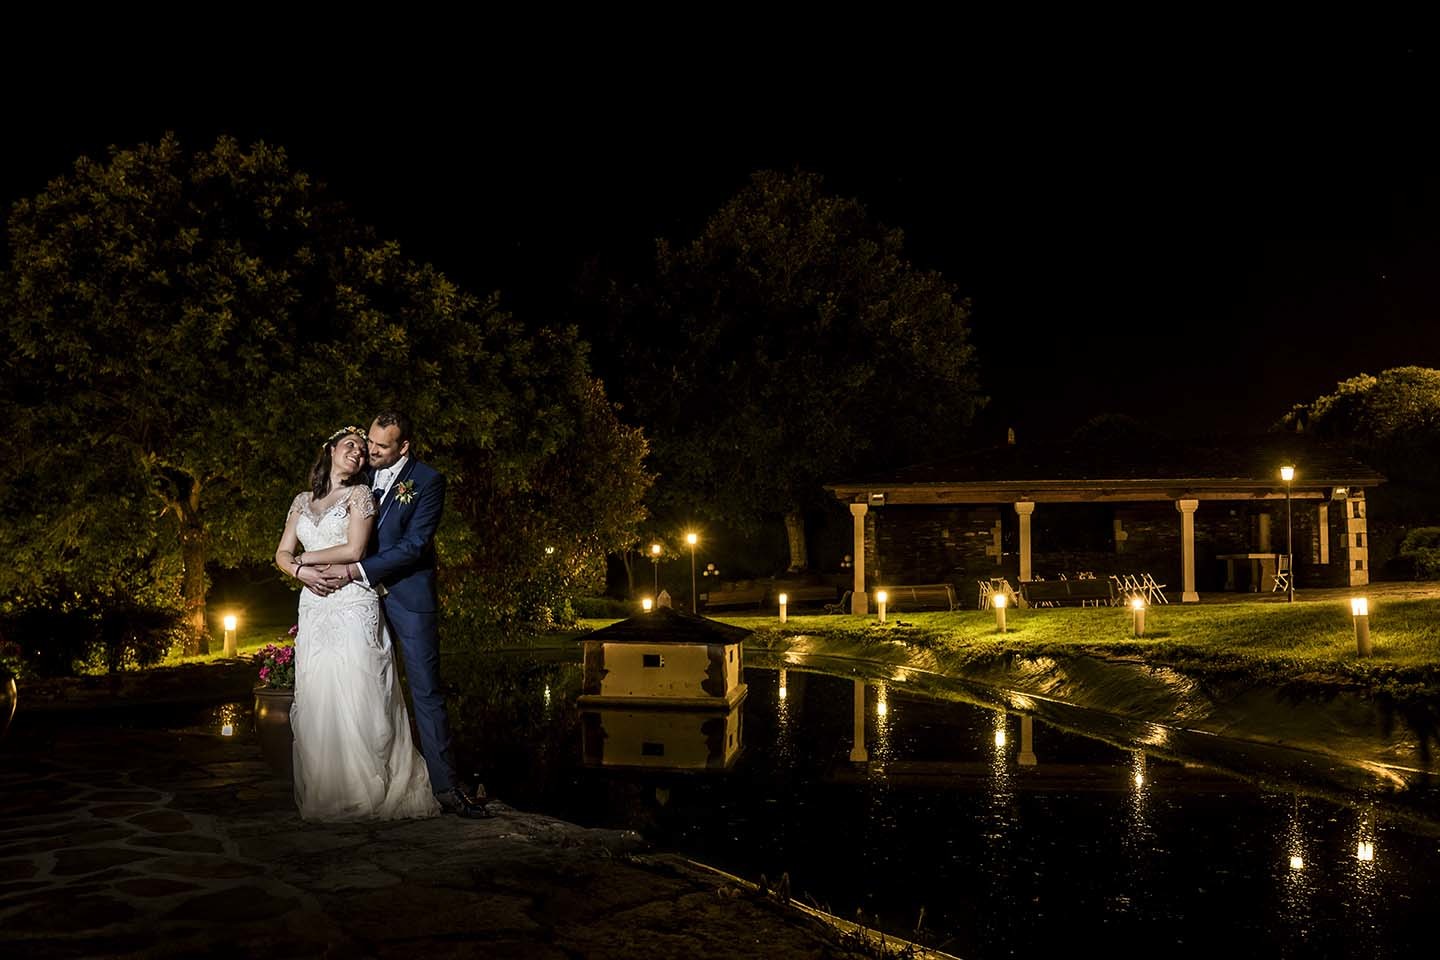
x=317, y=581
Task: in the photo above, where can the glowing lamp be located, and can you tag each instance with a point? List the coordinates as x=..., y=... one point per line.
x=654, y=549
x=1360, y=610
x=691, y=539
x=1296, y=863
x=227, y=730
x=230, y=647
x=1365, y=850
x=881, y=597
x=1287, y=473
x=998, y=602
x=647, y=604
x=1137, y=615
x=784, y=603
x=882, y=708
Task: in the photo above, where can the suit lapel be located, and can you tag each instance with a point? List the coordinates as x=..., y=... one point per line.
x=389, y=500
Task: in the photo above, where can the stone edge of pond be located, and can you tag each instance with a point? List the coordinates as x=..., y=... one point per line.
x=1342, y=720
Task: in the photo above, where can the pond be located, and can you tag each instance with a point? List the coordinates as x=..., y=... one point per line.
x=1014, y=833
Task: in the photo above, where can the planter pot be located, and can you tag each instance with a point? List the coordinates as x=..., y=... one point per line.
x=272, y=728
x=8, y=695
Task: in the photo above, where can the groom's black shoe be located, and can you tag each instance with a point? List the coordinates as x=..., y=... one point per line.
x=457, y=801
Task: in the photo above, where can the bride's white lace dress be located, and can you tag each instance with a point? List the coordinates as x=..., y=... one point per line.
x=354, y=755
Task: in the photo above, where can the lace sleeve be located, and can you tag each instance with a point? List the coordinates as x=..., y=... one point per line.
x=360, y=498
x=297, y=504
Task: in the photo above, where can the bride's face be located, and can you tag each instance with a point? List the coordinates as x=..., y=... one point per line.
x=348, y=456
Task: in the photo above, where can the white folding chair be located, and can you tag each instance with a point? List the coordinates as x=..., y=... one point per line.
x=1282, y=574
x=1155, y=592
x=985, y=591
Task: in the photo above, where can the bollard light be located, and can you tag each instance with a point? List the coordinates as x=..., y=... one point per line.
x=1137, y=613
x=880, y=598
x=647, y=604
x=1360, y=610
x=784, y=601
x=230, y=649
x=1365, y=850
x=998, y=602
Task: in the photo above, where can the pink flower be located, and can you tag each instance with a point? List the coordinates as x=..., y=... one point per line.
x=294, y=629
x=264, y=673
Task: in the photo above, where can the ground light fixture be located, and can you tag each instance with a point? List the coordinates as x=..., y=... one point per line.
x=230, y=648
x=998, y=602
x=880, y=598
x=647, y=604
x=1137, y=615
x=784, y=602
x=1360, y=610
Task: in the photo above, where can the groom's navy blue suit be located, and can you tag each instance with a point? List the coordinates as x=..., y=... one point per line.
x=403, y=559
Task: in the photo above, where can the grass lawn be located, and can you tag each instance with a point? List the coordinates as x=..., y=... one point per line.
x=1264, y=639
x=249, y=638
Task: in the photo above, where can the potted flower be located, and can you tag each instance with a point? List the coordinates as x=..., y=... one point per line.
x=274, y=692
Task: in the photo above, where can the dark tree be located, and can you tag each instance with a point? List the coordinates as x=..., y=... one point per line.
x=789, y=344
x=183, y=329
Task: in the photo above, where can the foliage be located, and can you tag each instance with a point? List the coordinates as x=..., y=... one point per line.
x=1421, y=547
x=788, y=344
x=193, y=324
x=276, y=664
x=73, y=633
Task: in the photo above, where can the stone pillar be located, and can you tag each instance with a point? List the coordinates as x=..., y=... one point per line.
x=859, y=603
x=1187, y=549
x=1322, y=526
x=1025, y=508
x=1357, y=540
x=1263, y=544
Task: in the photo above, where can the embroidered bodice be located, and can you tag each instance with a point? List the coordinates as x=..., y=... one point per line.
x=330, y=527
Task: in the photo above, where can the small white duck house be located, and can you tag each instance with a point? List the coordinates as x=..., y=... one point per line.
x=665, y=658
x=658, y=739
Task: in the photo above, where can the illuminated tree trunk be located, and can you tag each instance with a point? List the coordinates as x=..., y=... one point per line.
x=795, y=532
x=192, y=555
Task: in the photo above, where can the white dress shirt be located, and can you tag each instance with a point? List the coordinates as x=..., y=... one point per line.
x=383, y=481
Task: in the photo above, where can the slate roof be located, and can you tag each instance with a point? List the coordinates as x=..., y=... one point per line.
x=667, y=625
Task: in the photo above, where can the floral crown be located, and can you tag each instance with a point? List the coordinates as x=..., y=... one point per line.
x=343, y=431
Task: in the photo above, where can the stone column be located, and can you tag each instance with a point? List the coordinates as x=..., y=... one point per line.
x=1025, y=508
x=1263, y=535
x=859, y=603
x=1322, y=522
x=1357, y=547
x=1187, y=549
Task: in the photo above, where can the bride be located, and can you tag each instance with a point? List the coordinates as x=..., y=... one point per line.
x=354, y=757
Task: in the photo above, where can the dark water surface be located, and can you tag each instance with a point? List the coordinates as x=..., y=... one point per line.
x=1019, y=833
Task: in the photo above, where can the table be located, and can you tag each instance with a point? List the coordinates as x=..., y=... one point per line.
x=1261, y=570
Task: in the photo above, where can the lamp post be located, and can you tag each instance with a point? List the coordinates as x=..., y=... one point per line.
x=655, y=562
x=1287, y=473
x=230, y=636
x=692, y=539
x=784, y=602
x=998, y=602
x=1137, y=615
x=880, y=598
x=1360, y=610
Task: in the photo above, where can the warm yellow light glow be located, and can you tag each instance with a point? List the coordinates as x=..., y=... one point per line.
x=1287, y=473
x=1000, y=737
x=1365, y=850
x=691, y=539
x=1360, y=606
x=654, y=549
x=784, y=599
x=881, y=708
x=1137, y=603
x=1296, y=863
x=783, y=693
x=228, y=730
x=648, y=604
x=999, y=601
x=549, y=551
x=1139, y=779
x=230, y=622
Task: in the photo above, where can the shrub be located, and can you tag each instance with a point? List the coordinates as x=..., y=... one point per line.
x=1422, y=547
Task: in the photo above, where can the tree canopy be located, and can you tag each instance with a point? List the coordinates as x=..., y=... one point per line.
x=183, y=329
x=788, y=344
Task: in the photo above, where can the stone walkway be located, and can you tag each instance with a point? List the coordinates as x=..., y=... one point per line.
x=142, y=843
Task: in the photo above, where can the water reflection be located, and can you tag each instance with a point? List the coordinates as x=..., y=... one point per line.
x=661, y=738
x=1298, y=877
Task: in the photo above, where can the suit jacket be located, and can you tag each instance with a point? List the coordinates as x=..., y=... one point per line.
x=402, y=552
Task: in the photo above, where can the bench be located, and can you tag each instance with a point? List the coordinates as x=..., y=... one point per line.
x=920, y=595
x=746, y=597
x=1060, y=592
x=805, y=593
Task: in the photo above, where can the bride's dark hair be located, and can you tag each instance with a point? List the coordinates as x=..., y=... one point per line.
x=320, y=472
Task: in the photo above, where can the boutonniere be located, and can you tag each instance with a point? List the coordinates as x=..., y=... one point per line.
x=405, y=491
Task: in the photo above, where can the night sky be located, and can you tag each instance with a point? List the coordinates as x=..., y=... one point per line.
x=1196, y=235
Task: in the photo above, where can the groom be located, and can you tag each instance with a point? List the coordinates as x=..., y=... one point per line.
x=409, y=498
